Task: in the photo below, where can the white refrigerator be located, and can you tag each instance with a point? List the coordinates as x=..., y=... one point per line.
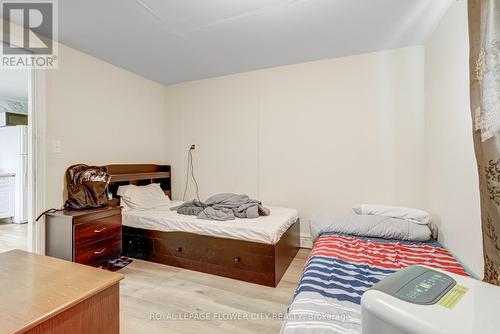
x=14, y=159
x=21, y=203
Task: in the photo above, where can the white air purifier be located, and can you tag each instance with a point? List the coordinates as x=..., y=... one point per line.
x=421, y=300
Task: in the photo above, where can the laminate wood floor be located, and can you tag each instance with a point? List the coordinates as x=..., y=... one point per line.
x=155, y=298
x=162, y=299
x=13, y=236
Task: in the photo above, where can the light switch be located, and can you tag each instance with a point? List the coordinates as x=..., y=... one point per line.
x=56, y=146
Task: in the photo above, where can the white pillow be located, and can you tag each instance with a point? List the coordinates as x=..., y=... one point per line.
x=143, y=197
x=410, y=214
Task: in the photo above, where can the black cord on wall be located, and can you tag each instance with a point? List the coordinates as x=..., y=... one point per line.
x=190, y=172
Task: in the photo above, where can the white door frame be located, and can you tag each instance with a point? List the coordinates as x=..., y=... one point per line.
x=36, y=161
x=36, y=158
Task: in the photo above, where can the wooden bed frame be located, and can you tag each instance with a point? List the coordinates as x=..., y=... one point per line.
x=243, y=260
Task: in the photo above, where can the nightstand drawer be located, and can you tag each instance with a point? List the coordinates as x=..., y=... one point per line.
x=101, y=229
x=97, y=251
x=84, y=236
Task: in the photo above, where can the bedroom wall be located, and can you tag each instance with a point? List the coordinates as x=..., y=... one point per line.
x=452, y=183
x=101, y=114
x=318, y=136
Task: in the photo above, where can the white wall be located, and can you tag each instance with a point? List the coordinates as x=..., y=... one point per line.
x=101, y=114
x=318, y=136
x=452, y=183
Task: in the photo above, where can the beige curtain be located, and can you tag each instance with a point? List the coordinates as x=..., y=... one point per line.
x=484, y=35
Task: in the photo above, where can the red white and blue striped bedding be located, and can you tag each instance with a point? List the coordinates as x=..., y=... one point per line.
x=341, y=268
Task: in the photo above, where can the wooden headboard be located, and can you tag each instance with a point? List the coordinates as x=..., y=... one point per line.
x=139, y=175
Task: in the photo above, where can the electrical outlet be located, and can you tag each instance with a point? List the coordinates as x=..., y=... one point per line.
x=193, y=147
x=56, y=147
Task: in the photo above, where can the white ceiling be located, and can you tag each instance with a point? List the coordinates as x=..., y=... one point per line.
x=171, y=41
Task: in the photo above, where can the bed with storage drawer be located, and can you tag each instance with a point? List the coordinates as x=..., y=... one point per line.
x=253, y=250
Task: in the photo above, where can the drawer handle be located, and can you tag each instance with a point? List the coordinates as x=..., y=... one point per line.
x=99, y=252
x=100, y=230
x=237, y=259
x=179, y=249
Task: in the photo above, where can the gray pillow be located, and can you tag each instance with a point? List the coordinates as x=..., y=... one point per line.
x=370, y=226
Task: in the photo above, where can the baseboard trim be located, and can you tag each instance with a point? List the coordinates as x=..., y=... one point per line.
x=306, y=241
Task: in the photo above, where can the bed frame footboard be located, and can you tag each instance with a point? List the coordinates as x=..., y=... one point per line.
x=248, y=261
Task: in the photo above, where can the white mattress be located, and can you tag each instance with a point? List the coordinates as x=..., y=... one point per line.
x=268, y=229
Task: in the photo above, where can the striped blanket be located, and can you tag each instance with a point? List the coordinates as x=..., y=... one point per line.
x=341, y=268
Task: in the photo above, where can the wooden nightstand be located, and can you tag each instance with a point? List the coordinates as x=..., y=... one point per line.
x=88, y=236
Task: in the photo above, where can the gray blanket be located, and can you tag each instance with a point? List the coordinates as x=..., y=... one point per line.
x=224, y=207
x=370, y=226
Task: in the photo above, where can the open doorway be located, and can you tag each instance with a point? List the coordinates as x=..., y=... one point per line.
x=15, y=141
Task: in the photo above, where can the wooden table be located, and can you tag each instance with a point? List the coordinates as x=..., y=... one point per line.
x=40, y=294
